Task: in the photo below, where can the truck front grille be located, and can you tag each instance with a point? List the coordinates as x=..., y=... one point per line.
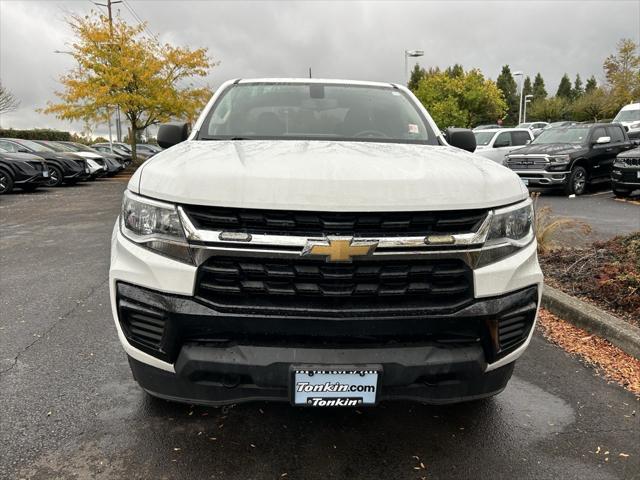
x=630, y=162
x=318, y=224
x=527, y=163
x=370, y=287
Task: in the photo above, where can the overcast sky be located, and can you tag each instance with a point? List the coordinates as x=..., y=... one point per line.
x=355, y=40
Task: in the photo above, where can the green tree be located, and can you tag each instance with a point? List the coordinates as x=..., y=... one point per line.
x=622, y=71
x=591, y=106
x=539, y=92
x=455, y=71
x=118, y=65
x=591, y=84
x=548, y=109
x=527, y=89
x=564, y=88
x=463, y=100
x=509, y=89
x=416, y=75
x=578, y=89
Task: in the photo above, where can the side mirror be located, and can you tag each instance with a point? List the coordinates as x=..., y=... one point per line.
x=602, y=140
x=528, y=142
x=462, y=138
x=170, y=134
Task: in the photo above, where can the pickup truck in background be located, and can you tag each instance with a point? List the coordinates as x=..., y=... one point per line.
x=570, y=158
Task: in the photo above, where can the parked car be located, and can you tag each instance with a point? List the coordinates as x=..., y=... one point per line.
x=535, y=127
x=21, y=170
x=563, y=123
x=127, y=148
x=115, y=150
x=625, y=176
x=96, y=165
x=149, y=149
x=570, y=158
x=311, y=233
x=490, y=126
x=629, y=117
x=495, y=144
x=113, y=162
x=63, y=167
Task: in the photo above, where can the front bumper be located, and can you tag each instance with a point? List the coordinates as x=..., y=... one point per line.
x=220, y=358
x=38, y=179
x=625, y=178
x=542, y=178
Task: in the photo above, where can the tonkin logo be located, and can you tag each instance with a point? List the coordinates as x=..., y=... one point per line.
x=340, y=249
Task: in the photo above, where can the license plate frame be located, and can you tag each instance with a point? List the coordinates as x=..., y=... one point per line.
x=364, y=378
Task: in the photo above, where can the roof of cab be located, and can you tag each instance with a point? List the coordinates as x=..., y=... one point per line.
x=333, y=81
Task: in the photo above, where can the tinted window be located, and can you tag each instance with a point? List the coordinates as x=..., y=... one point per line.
x=597, y=133
x=503, y=140
x=519, y=138
x=8, y=146
x=616, y=134
x=278, y=111
x=483, y=138
x=576, y=135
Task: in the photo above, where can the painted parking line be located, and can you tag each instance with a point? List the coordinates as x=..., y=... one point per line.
x=608, y=192
x=628, y=200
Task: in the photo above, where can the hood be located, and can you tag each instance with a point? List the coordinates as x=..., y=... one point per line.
x=22, y=157
x=325, y=175
x=549, y=149
x=89, y=155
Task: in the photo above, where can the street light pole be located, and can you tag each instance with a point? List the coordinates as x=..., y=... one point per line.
x=407, y=54
x=521, y=75
x=527, y=99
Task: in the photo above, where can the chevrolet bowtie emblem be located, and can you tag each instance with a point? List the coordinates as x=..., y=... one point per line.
x=340, y=249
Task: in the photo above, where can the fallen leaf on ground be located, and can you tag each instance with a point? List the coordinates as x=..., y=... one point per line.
x=614, y=363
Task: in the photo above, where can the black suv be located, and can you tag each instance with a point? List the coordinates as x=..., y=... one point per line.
x=570, y=157
x=63, y=167
x=21, y=170
x=625, y=176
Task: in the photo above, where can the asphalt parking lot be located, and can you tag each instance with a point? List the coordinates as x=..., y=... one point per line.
x=70, y=409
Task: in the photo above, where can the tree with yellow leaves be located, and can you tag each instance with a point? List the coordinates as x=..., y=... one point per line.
x=119, y=65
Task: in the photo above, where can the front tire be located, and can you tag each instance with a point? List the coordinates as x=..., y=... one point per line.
x=55, y=177
x=6, y=182
x=577, y=181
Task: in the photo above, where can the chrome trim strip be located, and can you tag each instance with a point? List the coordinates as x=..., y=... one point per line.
x=211, y=238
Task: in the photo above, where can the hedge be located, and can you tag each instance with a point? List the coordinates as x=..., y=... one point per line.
x=35, y=134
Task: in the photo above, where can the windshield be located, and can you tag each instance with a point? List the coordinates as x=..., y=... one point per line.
x=36, y=147
x=483, y=138
x=524, y=125
x=563, y=135
x=284, y=111
x=628, y=116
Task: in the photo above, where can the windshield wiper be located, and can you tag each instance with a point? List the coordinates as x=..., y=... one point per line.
x=224, y=138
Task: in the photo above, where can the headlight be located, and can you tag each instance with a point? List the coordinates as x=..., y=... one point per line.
x=154, y=225
x=511, y=229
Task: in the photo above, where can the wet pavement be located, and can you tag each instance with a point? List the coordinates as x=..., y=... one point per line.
x=70, y=409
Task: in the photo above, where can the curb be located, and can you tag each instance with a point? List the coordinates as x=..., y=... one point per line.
x=596, y=321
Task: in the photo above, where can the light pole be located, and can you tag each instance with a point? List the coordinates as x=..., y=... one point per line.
x=407, y=54
x=527, y=99
x=521, y=75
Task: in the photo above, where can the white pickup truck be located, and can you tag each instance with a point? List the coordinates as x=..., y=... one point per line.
x=321, y=242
